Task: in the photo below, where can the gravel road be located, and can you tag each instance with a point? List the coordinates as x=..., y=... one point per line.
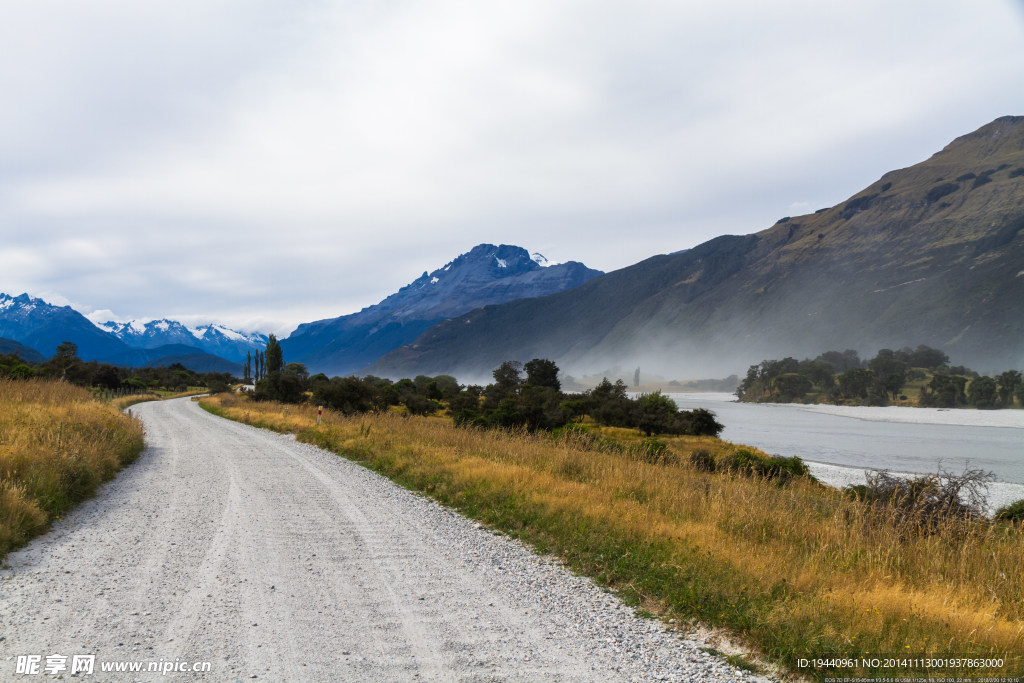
x=275, y=560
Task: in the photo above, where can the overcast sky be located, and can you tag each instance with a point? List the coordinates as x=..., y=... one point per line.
x=261, y=163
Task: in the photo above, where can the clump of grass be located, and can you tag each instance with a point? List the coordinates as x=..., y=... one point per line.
x=57, y=444
x=796, y=570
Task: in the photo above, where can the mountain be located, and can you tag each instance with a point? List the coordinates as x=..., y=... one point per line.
x=213, y=339
x=930, y=254
x=26, y=353
x=43, y=326
x=485, y=275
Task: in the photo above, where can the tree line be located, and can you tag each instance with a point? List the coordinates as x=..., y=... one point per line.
x=526, y=396
x=67, y=366
x=842, y=377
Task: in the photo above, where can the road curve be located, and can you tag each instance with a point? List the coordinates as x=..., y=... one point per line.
x=275, y=560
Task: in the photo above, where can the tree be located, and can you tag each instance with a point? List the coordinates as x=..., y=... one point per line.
x=1009, y=383
x=945, y=391
x=274, y=356
x=507, y=381
x=890, y=373
x=854, y=383
x=657, y=413
x=541, y=372
x=248, y=367
x=982, y=393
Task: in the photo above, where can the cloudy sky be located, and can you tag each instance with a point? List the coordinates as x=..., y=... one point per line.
x=261, y=163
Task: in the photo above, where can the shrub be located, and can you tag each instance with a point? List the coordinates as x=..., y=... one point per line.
x=774, y=467
x=924, y=502
x=1014, y=512
x=649, y=450
x=940, y=191
x=1017, y=172
x=703, y=461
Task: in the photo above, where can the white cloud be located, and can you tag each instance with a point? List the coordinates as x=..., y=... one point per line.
x=288, y=162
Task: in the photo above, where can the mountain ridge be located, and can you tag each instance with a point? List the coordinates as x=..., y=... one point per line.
x=933, y=253
x=484, y=275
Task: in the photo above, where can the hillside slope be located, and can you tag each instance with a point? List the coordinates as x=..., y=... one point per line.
x=929, y=254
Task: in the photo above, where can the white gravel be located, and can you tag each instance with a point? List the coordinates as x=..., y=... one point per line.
x=275, y=560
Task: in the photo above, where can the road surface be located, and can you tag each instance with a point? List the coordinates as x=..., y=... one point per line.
x=242, y=551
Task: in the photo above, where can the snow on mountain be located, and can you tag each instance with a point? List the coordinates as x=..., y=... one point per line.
x=43, y=326
x=214, y=339
x=485, y=275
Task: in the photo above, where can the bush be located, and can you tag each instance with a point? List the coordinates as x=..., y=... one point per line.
x=774, y=467
x=1017, y=172
x=1014, y=512
x=649, y=450
x=940, y=191
x=924, y=502
x=703, y=461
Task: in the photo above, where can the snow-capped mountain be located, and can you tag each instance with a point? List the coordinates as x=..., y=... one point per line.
x=43, y=326
x=215, y=339
x=485, y=275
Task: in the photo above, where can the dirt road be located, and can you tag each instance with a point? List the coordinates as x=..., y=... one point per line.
x=270, y=559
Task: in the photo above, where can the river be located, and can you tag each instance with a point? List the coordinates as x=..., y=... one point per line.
x=841, y=443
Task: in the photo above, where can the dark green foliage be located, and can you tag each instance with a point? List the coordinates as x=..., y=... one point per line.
x=748, y=463
x=945, y=391
x=656, y=413
x=886, y=186
x=610, y=405
x=649, y=450
x=1010, y=382
x=1012, y=512
x=273, y=356
x=348, y=395
x=854, y=383
x=965, y=177
x=940, y=191
x=703, y=461
x=1017, y=172
x=287, y=385
x=857, y=205
x=983, y=393
x=12, y=366
x=541, y=372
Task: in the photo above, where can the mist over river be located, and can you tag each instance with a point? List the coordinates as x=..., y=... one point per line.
x=842, y=442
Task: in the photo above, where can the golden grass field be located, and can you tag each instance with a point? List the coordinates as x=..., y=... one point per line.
x=795, y=570
x=57, y=444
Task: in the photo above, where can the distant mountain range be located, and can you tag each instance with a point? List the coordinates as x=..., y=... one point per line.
x=484, y=276
x=213, y=339
x=40, y=327
x=931, y=254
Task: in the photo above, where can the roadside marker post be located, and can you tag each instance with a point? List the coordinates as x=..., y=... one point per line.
x=319, y=412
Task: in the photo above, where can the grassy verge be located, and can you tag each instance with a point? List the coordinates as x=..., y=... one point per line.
x=797, y=570
x=57, y=444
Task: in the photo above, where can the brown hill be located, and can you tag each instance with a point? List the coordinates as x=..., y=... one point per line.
x=930, y=254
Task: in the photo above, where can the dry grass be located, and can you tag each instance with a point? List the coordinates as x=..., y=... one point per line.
x=57, y=444
x=798, y=570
